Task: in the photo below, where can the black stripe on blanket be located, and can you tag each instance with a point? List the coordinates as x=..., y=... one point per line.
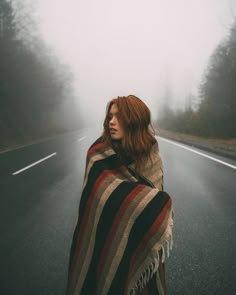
x=140, y=228
x=111, y=207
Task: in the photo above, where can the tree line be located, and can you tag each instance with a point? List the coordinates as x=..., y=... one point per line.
x=36, y=98
x=215, y=115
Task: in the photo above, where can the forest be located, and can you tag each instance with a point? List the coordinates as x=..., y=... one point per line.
x=215, y=115
x=36, y=97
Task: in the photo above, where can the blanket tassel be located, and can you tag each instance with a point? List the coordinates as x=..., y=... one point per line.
x=153, y=267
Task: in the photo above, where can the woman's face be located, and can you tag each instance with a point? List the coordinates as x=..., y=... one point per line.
x=116, y=130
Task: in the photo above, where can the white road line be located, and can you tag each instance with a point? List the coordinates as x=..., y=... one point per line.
x=199, y=153
x=33, y=164
x=81, y=138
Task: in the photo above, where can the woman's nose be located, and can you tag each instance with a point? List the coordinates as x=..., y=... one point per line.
x=113, y=120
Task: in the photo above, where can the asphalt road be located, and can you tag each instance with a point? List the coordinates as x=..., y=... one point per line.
x=39, y=205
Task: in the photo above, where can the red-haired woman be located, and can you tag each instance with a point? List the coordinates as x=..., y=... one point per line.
x=124, y=228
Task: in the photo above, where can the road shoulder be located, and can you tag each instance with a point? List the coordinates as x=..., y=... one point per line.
x=222, y=147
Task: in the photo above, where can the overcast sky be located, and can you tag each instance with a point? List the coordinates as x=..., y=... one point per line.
x=121, y=47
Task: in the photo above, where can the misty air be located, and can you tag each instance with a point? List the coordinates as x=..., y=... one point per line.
x=118, y=147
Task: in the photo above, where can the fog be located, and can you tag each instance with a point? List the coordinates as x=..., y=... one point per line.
x=134, y=47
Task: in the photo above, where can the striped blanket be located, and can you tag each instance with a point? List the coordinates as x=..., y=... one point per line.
x=124, y=229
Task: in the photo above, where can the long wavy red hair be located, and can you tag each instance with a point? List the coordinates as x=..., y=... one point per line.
x=135, y=119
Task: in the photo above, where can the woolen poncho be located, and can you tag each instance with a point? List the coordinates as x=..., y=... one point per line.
x=124, y=227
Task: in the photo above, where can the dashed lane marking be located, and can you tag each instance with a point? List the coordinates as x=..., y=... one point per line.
x=33, y=164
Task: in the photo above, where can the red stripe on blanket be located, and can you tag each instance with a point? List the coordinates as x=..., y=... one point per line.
x=83, y=226
x=97, y=146
x=155, y=226
x=115, y=225
x=97, y=184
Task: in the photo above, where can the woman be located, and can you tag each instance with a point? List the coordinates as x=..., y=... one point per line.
x=125, y=222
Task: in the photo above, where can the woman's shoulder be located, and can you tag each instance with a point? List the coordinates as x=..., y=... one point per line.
x=97, y=145
x=97, y=141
